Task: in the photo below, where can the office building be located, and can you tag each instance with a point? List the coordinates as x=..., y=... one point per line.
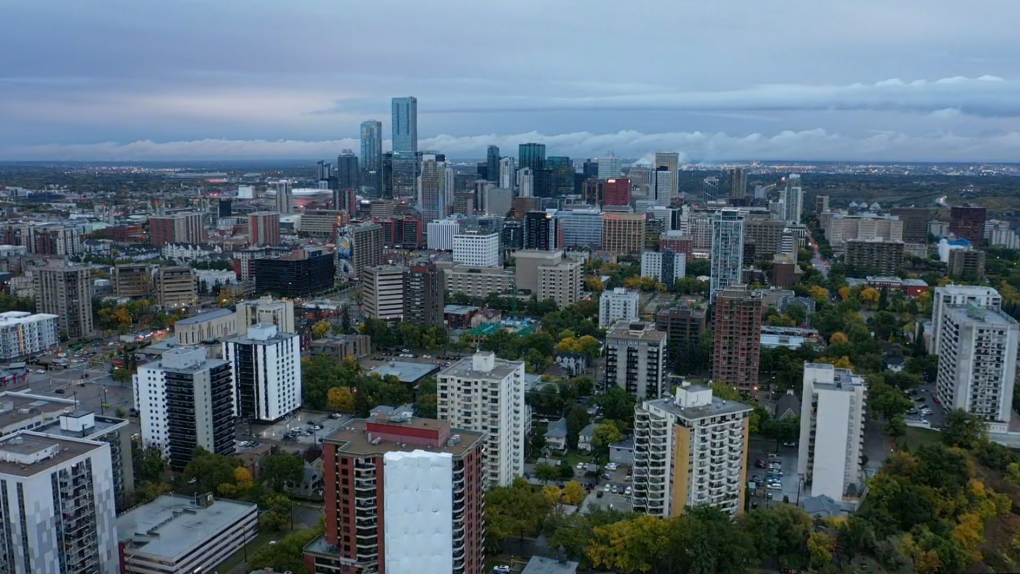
x=23, y=334
x=185, y=401
x=56, y=239
x=364, y=243
x=623, y=233
x=324, y=174
x=738, y=183
x=968, y=222
x=507, y=173
x=580, y=228
x=497, y=201
x=915, y=223
x=840, y=228
x=178, y=228
x=832, y=432
x=526, y=182
x=684, y=326
x=484, y=394
x=549, y=276
x=264, y=228
x=432, y=188
x=341, y=347
x=541, y=231
x=874, y=257
x=179, y=534
x=609, y=167
x=266, y=311
x=618, y=304
x=512, y=235
x=492, y=161
x=298, y=274
x=663, y=185
x=65, y=290
x=132, y=280
x=479, y=282
x=977, y=349
x=531, y=156
x=371, y=155
x=348, y=173
x=636, y=359
x=966, y=263
x=322, y=223
x=405, y=125
x=736, y=351
x=284, y=196
x=477, y=249
x=406, y=496
x=727, y=250
x=617, y=192
x=765, y=234
x=959, y=296
x=175, y=287
x=57, y=498
x=423, y=295
x=440, y=234
x=664, y=266
x=690, y=450
x=382, y=291
x=266, y=368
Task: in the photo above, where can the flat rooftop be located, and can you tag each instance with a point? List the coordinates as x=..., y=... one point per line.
x=843, y=379
x=103, y=426
x=637, y=331
x=179, y=525
x=35, y=404
x=541, y=565
x=407, y=372
x=984, y=315
x=27, y=443
x=718, y=406
x=464, y=368
x=208, y=316
x=352, y=438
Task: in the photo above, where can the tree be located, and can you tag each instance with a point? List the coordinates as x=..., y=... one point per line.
x=150, y=466
x=870, y=296
x=820, y=547
x=962, y=429
x=577, y=419
x=639, y=545
x=546, y=472
x=209, y=470
x=552, y=494
x=340, y=399
x=819, y=294
x=513, y=510
x=573, y=493
x=617, y=404
x=277, y=512
x=605, y=434
x=426, y=405
x=286, y=555
x=321, y=329
x=279, y=469
x=838, y=339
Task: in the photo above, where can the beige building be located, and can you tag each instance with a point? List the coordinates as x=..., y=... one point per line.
x=175, y=287
x=477, y=281
x=217, y=325
x=342, y=347
x=623, y=233
x=266, y=311
x=320, y=222
x=382, y=291
x=547, y=275
x=841, y=229
x=65, y=290
x=765, y=234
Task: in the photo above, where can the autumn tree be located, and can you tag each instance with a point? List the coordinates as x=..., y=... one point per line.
x=573, y=493
x=321, y=329
x=340, y=399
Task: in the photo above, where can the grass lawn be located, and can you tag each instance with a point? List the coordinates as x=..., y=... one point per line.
x=916, y=437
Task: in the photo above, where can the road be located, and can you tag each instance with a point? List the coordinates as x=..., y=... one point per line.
x=816, y=259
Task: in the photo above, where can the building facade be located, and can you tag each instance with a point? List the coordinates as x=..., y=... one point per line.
x=177, y=228
x=736, y=350
x=23, y=334
x=264, y=228
x=684, y=327
x=727, y=250
x=266, y=369
x=968, y=222
x=874, y=257
x=476, y=249
x=299, y=274
x=636, y=359
x=423, y=295
x=132, y=280
x=623, y=233
x=65, y=290
x=618, y=304
x=664, y=266
x=175, y=287
x=382, y=290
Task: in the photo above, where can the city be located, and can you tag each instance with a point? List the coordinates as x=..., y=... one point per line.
x=406, y=348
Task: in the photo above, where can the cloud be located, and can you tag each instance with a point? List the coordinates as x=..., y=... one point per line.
x=816, y=144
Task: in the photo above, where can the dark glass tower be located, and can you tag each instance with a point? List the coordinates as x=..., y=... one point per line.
x=531, y=155
x=492, y=161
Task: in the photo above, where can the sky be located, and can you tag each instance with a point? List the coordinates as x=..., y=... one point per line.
x=732, y=80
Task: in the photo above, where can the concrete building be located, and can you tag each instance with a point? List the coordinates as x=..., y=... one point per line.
x=977, y=349
x=684, y=327
x=476, y=249
x=264, y=227
x=186, y=400
x=549, y=276
x=736, y=351
x=65, y=290
x=178, y=228
x=216, y=325
x=364, y=244
x=541, y=231
x=266, y=311
x=23, y=334
x=46, y=482
x=177, y=534
x=840, y=228
x=832, y=432
x=951, y=296
x=424, y=295
x=915, y=223
x=618, y=304
x=406, y=497
x=636, y=359
x=664, y=266
x=478, y=281
x=581, y=228
x=266, y=370
x=874, y=257
x=485, y=394
x=765, y=234
x=56, y=239
x=175, y=287
x=623, y=233
x=132, y=280
x=440, y=234
x=300, y=273
x=342, y=347
x=966, y=263
x=968, y=222
x=727, y=250
x=284, y=197
x=690, y=450
x=322, y=223
x=382, y=291
x=617, y=192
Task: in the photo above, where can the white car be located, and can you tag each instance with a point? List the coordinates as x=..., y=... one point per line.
x=580, y=466
x=775, y=486
x=611, y=466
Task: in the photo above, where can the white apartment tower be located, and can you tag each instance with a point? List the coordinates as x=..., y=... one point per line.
x=793, y=199
x=382, y=289
x=284, y=197
x=507, y=170
x=186, y=400
x=832, y=432
x=636, y=359
x=266, y=368
x=958, y=296
x=690, y=450
x=526, y=182
x=618, y=305
x=57, y=512
x=485, y=394
x=727, y=250
x=476, y=249
x=977, y=350
x=440, y=234
x=664, y=266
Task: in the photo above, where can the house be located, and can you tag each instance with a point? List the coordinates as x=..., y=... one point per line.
x=821, y=507
x=622, y=452
x=575, y=364
x=585, y=436
x=787, y=406
x=895, y=363
x=556, y=436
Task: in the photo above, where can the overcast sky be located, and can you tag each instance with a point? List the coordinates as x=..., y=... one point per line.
x=885, y=80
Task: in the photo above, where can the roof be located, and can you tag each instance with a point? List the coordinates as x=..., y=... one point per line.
x=103, y=425
x=29, y=443
x=34, y=405
x=983, y=315
x=637, y=331
x=405, y=371
x=459, y=309
x=718, y=407
x=788, y=403
x=464, y=368
x=557, y=429
x=542, y=565
x=625, y=444
x=818, y=504
x=177, y=525
x=208, y=316
x=589, y=430
x=353, y=439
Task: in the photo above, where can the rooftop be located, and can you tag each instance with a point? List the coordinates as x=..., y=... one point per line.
x=16, y=317
x=842, y=379
x=51, y=452
x=459, y=309
x=988, y=316
x=208, y=316
x=103, y=425
x=465, y=368
x=172, y=525
x=24, y=406
x=405, y=371
x=715, y=408
x=542, y=565
x=637, y=331
x=353, y=438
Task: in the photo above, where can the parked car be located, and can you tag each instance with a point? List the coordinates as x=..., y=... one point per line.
x=611, y=466
x=759, y=463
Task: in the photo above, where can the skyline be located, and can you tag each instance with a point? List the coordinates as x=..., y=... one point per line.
x=918, y=81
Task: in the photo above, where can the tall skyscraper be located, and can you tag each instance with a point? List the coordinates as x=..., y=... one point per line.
x=423, y=295
x=365, y=243
x=484, y=394
x=531, y=155
x=736, y=351
x=609, y=166
x=507, y=173
x=590, y=169
x=431, y=188
x=266, y=368
x=65, y=290
x=284, y=197
x=793, y=199
x=636, y=359
x=492, y=163
x=663, y=185
x=347, y=172
x=405, y=125
x=561, y=175
x=323, y=171
x=738, y=183
x=371, y=145
x=526, y=181
x=727, y=250
x=541, y=231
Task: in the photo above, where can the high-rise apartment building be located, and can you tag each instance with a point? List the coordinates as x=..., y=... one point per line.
x=266, y=311
x=977, y=349
x=484, y=394
x=56, y=239
x=738, y=183
x=23, y=334
x=57, y=499
x=663, y=185
x=175, y=287
x=618, y=304
x=526, y=182
x=951, y=296
x=65, y=290
x=132, y=280
x=832, y=432
x=664, y=266
x=874, y=257
x=266, y=368
x=364, y=242
x=968, y=222
x=264, y=228
x=793, y=199
x=684, y=327
x=617, y=191
x=382, y=290
x=348, y=173
x=476, y=248
x=690, y=450
x=915, y=223
x=623, y=233
x=541, y=231
x=736, y=351
x=531, y=155
x=609, y=166
x=432, y=193
x=403, y=495
x=765, y=234
x=441, y=233
x=580, y=228
x=727, y=250
x=371, y=145
x=178, y=228
x=405, y=125
x=186, y=400
x=966, y=263
x=298, y=274
x=636, y=359
x=423, y=294
x=284, y=196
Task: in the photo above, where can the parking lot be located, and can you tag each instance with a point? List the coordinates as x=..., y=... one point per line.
x=299, y=428
x=787, y=457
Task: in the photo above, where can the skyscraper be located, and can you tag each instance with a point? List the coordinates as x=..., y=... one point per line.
x=284, y=197
x=561, y=175
x=617, y=192
x=738, y=183
x=431, y=188
x=727, y=250
x=423, y=295
x=65, y=290
x=541, y=231
x=492, y=161
x=531, y=155
x=266, y=368
x=405, y=125
x=507, y=171
x=347, y=173
x=609, y=166
x=793, y=199
x=371, y=156
x=526, y=181
x=663, y=185
x=736, y=351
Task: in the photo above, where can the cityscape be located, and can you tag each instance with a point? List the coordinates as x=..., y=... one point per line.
x=586, y=342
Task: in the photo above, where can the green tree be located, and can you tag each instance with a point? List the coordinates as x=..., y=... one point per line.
x=546, y=472
x=577, y=419
x=209, y=470
x=514, y=510
x=426, y=404
x=962, y=429
x=277, y=470
x=150, y=466
x=605, y=434
x=639, y=545
x=617, y=404
x=286, y=555
x=277, y=512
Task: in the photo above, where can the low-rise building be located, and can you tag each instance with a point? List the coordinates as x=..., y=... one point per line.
x=342, y=347
x=24, y=334
x=216, y=325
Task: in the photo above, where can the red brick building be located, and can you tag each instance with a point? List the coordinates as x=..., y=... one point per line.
x=617, y=192
x=968, y=222
x=264, y=228
x=737, y=349
x=418, y=475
